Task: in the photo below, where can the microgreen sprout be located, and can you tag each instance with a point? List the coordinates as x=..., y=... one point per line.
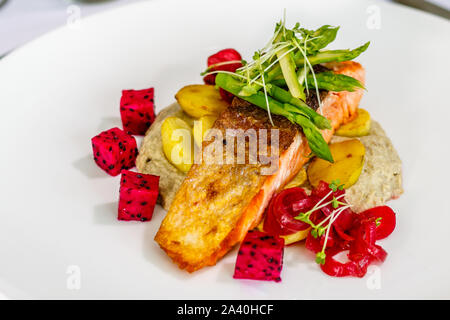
x=288, y=57
x=320, y=257
x=305, y=217
x=219, y=64
x=267, y=99
x=332, y=217
x=324, y=227
x=335, y=185
x=378, y=221
x=335, y=203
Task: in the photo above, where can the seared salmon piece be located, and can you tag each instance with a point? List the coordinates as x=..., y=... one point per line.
x=218, y=203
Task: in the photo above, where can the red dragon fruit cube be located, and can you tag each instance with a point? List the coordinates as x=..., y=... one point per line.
x=137, y=110
x=260, y=257
x=114, y=150
x=218, y=61
x=138, y=194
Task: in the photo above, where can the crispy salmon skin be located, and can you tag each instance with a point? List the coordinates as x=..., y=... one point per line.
x=218, y=203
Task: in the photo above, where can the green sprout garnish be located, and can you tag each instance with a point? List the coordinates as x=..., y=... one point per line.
x=280, y=73
x=320, y=257
x=335, y=185
x=378, y=221
x=334, y=203
x=323, y=227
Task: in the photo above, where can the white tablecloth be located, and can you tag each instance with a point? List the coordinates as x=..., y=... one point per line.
x=24, y=20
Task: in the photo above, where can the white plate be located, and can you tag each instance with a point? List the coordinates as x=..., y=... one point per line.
x=58, y=209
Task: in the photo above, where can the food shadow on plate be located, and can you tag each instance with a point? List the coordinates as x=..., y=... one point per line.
x=296, y=255
x=225, y=275
x=253, y=288
x=87, y=166
x=155, y=255
x=107, y=123
x=106, y=213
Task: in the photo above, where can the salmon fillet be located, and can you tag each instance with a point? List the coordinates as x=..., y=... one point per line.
x=218, y=203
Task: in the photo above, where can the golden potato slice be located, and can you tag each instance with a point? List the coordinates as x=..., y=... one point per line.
x=177, y=142
x=348, y=163
x=291, y=238
x=201, y=127
x=200, y=100
x=260, y=226
x=298, y=181
x=295, y=237
x=359, y=127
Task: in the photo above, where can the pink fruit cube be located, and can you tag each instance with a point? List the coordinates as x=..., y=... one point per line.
x=114, y=150
x=137, y=110
x=260, y=257
x=138, y=195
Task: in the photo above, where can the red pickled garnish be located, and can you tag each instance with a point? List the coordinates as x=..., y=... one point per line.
x=302, y=205
x=271, y=224
x=316, y=244
x=215, y=63
x=327, y=210
x=324, y=193
x=385, y=219
x=313, y=244
x=356, y=268
x=364, y=243
x=323, y=188
x=341, y=233
x=362, y=252
x=356, y=233
x=345, y=220
x=280, y=214
x=378, y=253
x=317, y=216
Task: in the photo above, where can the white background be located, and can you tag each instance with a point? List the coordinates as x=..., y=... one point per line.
x=59, y=209
x=24, y=20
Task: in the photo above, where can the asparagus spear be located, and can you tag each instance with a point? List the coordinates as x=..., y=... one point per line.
x=335, y=82
x=315, y=140
x=287, y=65
x=284, y=96
x=328, y=81
x=318, y=39
x=302, y=73
x=333, y=55
x=321, y=57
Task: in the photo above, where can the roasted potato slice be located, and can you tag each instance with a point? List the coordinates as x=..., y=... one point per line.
x=291, y=238
x=201, y=127
x=358, y=127
x=298, y=181
x=177, y=142
x=200, y=100
x=348, y=163
x=296, y=237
